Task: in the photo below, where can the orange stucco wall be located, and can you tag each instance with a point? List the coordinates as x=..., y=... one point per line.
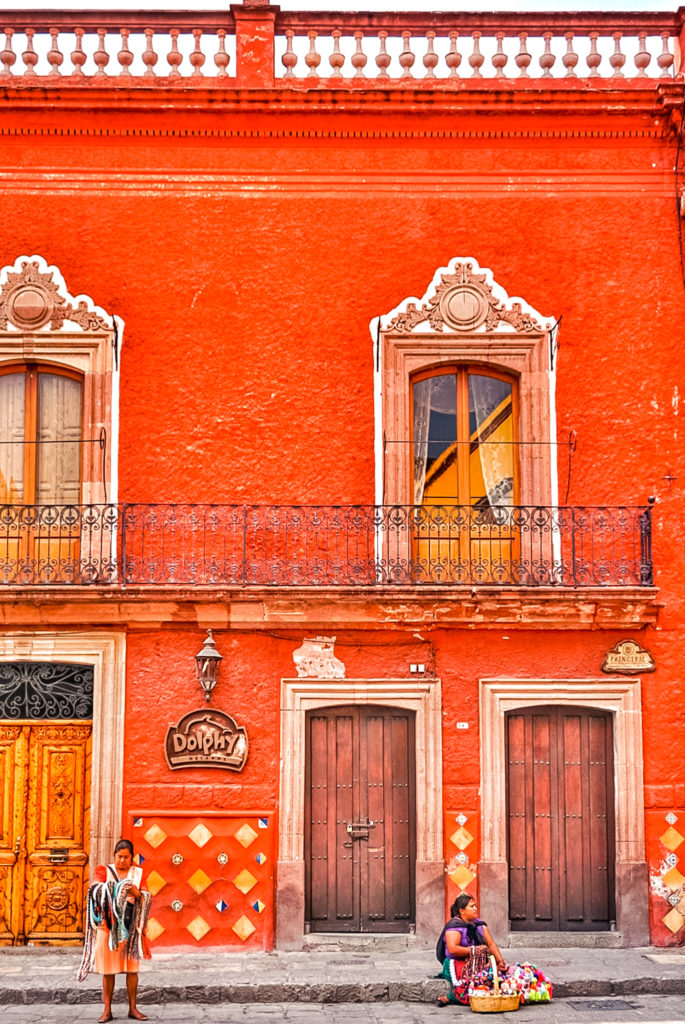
x=247, y=268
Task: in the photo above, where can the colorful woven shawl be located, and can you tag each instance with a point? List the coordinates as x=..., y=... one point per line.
x=107, y=906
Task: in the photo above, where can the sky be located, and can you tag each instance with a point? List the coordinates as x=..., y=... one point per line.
x=344, y=5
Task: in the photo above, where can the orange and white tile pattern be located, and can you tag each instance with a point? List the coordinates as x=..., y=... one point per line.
x=211, y=878
x=666, y=857
x=461, y=853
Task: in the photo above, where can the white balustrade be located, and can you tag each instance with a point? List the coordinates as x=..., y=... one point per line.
x=80, y=54
x=399, y=50
x=408, y=57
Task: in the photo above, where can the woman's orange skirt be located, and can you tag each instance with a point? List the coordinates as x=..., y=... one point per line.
x=111, y=961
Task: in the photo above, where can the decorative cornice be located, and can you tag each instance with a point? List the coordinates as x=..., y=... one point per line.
x=34, y=297
x=462, y=298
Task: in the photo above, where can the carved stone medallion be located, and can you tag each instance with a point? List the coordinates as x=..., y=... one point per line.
x=29, y=299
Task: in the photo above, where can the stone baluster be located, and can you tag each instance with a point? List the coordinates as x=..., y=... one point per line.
x=430, y=57
x=643, y=57
x=312, y=59
x=453, y=58
x=570, y=58
x=174, y=58
x=523, y=58
x=617, y=59
x=382, y=57
x=55, y=58
x=407, y=58
x=8, y=56
x=150, y=58
x=547, y=58
x=593, y=59
x=78, y=57
x=221, y=58
x=101, y=57
x=289, y=58
x=359, y=58
x=476, y=59
x=29, y=56
x=336, y=59
x=499, y=58
x=665, y=58
x=197, y=57
x=124, y=56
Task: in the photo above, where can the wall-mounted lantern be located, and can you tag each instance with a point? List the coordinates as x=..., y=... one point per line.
x=207, y=665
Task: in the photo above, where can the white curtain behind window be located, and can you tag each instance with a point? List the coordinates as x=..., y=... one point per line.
x=12, y=413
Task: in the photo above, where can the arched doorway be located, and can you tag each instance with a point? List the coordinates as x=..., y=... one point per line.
x=360, y=819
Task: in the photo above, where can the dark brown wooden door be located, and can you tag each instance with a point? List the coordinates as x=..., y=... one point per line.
x=561, y=819
x=360, y=842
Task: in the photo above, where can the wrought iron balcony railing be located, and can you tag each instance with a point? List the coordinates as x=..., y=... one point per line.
x=238, y=546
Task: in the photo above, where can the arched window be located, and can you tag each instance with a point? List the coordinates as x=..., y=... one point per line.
x=41, y=413
x=464, y=431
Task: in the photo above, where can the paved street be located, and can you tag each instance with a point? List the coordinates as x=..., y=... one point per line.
x=640, y=1010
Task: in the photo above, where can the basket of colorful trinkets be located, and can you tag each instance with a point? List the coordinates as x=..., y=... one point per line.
x=490, y=992
x=487, y=994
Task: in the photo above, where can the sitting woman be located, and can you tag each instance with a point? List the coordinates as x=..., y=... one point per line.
x=463, y=949
x=115, y=933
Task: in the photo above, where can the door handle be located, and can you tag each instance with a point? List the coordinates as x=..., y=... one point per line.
x=17, y=847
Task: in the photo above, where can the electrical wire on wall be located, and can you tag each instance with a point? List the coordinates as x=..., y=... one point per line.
x=678, y=198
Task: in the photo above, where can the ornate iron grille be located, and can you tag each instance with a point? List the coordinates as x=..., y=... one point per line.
x=240, y=546
x=38, y=691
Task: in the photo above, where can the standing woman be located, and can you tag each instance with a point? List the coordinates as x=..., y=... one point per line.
x=463, y=948
x=115, y=932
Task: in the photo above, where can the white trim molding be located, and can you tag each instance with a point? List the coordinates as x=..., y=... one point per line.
x=106, y=652
x=298, y=696
x=622, y=697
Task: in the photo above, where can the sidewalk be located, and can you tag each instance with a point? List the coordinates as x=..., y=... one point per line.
x=46, y=975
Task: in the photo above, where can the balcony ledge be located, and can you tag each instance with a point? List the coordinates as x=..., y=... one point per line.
x=331, y=608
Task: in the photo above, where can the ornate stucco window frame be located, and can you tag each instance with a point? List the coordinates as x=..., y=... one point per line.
x=41, y=322
x=464, y=317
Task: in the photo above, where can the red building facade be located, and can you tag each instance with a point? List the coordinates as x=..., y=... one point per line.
x=352, y=339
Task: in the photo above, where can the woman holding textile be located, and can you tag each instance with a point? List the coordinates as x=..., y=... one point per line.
x=115, y=931
x=463, y=949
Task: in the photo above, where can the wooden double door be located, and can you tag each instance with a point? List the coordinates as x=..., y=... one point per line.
x=560, y=819
x=44, y=828
x=360, y=810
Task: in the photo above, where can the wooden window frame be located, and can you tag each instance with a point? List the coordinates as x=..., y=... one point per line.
x=31, y=372
x=462, y=372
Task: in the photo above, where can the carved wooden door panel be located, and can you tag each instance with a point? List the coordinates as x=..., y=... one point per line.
x=13, y=779
x=561, y=819
x=44, y=831
x=360, y=844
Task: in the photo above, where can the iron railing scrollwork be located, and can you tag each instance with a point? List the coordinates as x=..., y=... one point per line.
x=239, y=546
x=53, y=690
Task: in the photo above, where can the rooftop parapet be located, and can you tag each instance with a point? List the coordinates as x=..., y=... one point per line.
x=255, y=46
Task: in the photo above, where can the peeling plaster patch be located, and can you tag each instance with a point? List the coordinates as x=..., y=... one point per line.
x=315, y=659
x=675, y=401
x=654, y=404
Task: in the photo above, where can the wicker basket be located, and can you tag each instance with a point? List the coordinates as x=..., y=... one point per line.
x=494, y=1002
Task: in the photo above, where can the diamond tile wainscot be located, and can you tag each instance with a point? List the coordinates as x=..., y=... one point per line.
x=223, y=878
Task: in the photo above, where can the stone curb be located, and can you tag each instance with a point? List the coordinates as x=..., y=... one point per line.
x=409, y=992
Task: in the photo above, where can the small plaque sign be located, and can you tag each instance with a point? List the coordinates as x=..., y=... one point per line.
x=628, y=658
x=206, y=739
